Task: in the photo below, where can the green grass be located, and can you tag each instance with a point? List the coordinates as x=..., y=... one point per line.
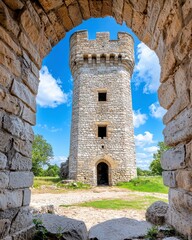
x=139, y=203
x=145, y=184
x=45, y=181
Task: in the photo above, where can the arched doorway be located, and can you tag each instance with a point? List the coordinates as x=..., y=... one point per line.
x=102, y=174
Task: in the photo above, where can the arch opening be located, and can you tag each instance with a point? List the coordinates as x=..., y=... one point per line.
x=102, y=174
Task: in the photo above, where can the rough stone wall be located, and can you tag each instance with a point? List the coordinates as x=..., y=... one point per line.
x=29, y=29
x=102, y=65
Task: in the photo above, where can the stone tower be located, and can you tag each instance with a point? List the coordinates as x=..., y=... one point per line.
x=102, y=149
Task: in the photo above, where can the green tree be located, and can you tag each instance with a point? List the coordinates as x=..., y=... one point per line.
x=41, y=154
x=155, y=165
x=52, y=171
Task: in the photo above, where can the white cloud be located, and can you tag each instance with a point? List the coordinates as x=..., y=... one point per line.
x=50, y=93
x=147, y=70
x=143, y=139
x=156, y=110
x=50, y=129
x=152, y=149
x=144, y=160
x=58, y=160
x=139, y=118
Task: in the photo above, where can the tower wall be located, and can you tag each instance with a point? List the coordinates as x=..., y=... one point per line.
x=102, y=65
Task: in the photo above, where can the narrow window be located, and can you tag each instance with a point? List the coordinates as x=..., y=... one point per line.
x=102, y=131
x=102, y=96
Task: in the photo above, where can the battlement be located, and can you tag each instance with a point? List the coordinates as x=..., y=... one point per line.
x=101, y=50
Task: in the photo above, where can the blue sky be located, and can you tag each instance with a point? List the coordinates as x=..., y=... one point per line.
x=54, y=98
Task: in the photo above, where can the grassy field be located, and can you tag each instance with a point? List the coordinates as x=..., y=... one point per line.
x=139, y=203
x=145, y=184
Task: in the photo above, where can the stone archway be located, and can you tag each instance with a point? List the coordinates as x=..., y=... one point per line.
x=29, y=29
x=102, y=174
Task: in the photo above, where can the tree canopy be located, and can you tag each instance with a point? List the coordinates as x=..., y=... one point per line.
x=41, y=154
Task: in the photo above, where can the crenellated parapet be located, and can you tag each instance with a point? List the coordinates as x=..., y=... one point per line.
x=101, y=51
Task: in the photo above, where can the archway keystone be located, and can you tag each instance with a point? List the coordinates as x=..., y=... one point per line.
x=29, y=29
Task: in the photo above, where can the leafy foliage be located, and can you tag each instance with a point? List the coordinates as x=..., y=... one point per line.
x=155, y=165
x=141, y=172
x=41, y=154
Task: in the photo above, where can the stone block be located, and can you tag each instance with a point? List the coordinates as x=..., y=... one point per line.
x=189, y=154
x=180, y=81
x=3, y=202
x=95, y=8
x=186, y=9
x=179, y=129
x=167, y=65
x=28, y=115
x=84, y=6
x=74, y=13
x=59, y=28
x=7, y=21
x=169, y=178
x=4, y=180
x=20, y=180
x=21, y=163
x=24, y=147
x=6, y=37
x=50, y=4
x=184, y=43
x=5, y=141
x=26, y=197
x=9, y=59
x=26, y=233
x=127, y=13
x=14, y=198
x=178, y=106
x=174, y=158
x=29, y=47
x=166, y=93
x=117, y=10
x=3, y=160
x=6, y=78
x=22, y=220
x=22, y=92
x=156, y=213
x=14, y=5
x=184, y=179
x=138, y=24
x=4, y=228
x=30, y=80
x=10, y=103
x=63, y=14
x=9, y=213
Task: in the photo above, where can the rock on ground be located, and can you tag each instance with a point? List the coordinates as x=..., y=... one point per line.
x=67, y=228
x=156, y=213
x=119, y=229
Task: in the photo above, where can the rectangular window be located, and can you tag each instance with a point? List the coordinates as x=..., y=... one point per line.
x=102, y=131
x=102, y=96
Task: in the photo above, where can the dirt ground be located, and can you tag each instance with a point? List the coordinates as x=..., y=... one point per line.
x=91, y=216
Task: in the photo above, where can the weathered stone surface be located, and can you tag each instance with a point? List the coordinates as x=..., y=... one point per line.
x=20, y=179
x=174, y=158
x=9, y=40
x=74, y=13
x=10, y=103
x=4, y=179
x=7, y=21
x=181, y=82
x=6, y=78
x=156, y=213
x=95, y=8
x=24, y=147
x=184, y=43
x=50, y=4
x=27, y=233
x=22, y=92
x=169, y=178
x=5, y=141
x=4, y=228
x=22, y=220
x=15, y=5
x=3, y=160
x=189, y=154
x=26, y=197
x=84, y=6
x=184, y=179
x=107, y=8
x=127, y=13
x=3, y=202
x=117, y=10
x=69, y=228
x=178, y=106
x=166, y=93
x=28, y=115
x=179, y=129
x=186, y=9
x=118, y=229
x=65, y=19
x=14, y=198
x=30, y=80
x=56, y=22
x=9, y=59
x=19, y=162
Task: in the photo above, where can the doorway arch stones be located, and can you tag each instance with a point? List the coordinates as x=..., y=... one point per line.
x=28, y=31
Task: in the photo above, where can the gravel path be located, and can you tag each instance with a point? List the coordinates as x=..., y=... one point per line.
x=91, y=216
